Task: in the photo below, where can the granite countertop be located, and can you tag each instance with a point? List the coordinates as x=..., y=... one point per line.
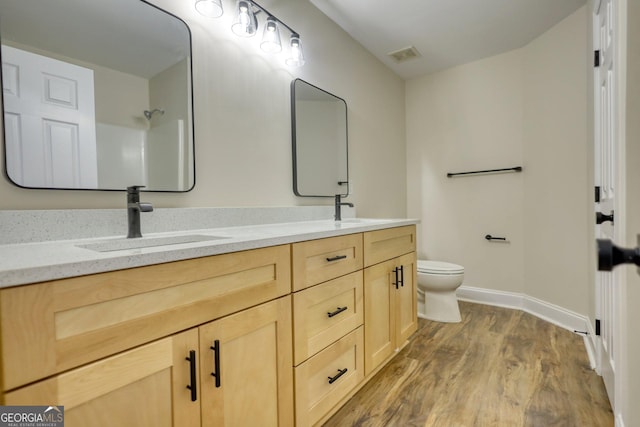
x=24, y=263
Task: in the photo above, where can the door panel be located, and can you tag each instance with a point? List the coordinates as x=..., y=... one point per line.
x=57, y=146
x=606, y=177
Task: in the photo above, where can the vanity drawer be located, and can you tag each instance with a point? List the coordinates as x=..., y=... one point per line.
x=50, y=327
x=381, y=245
x=317, y=261
x=324, y=313
x=315, y=395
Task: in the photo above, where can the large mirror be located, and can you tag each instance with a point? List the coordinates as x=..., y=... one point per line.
x=319, y=134
x=96, y=95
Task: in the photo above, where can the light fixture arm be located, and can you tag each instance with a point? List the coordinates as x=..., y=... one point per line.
x=262, y=9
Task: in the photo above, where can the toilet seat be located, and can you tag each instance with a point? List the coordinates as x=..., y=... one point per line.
x=439, y=267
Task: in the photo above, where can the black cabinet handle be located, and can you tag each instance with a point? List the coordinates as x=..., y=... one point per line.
x=397, y=280
x=340, y=373
x=600, y=217
x=338, y=311
x=216, y=361
x=336, y=258
x=192, y=374
x=402, y=276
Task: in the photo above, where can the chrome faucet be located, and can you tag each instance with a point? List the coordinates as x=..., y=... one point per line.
x=134, y=207
x=338, y=215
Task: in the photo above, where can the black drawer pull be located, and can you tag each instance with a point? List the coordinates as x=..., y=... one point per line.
x=216, y=361
x=192, y=374
x=402, y=276
x=338, y=311
x=397, y=281
x=340, y=373
x=336, y=258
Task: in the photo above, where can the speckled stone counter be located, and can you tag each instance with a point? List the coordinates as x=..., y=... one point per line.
x=31, y=262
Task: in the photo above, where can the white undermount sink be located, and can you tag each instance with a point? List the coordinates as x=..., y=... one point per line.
x=139, y=243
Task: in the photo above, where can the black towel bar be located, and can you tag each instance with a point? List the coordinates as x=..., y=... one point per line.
x=490, y=237
x=513, y=169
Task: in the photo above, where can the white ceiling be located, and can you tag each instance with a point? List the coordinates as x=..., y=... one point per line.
x=445, y=32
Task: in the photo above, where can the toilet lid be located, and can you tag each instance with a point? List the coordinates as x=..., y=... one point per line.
x=439, y=267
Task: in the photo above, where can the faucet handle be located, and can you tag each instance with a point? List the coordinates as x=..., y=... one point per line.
x=145, y=207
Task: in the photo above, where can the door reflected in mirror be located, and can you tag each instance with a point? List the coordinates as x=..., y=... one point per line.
x=319, y=133
x=96, y=95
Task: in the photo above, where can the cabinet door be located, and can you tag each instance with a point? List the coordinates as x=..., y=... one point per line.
x=146, y=386
x=247, y=374
x=379, y=314
x=406, y=300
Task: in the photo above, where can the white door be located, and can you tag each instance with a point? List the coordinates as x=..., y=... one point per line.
x=49, y=121
x=607, y=175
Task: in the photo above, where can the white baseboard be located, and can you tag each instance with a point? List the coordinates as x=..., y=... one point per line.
x=557, y=315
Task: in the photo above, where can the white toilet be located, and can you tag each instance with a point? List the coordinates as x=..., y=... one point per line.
x=437, y=284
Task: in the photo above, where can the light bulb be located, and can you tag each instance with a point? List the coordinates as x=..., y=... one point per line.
x=271, y=36
x=296, y=59
x=245, y=24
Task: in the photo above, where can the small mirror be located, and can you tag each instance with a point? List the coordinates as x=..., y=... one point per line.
x=319, y=133
x=96, y=95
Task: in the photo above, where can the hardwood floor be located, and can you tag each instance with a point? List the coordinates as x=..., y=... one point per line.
x=498, y=367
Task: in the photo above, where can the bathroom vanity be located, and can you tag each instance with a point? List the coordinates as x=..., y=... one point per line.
x=279, y=328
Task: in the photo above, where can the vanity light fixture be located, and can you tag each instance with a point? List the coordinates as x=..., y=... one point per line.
x=209, y=8
x=245, y=24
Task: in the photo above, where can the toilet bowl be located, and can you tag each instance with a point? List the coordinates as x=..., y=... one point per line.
x=437, y=284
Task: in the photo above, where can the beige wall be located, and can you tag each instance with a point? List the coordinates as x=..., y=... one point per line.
x=525, y=107
x=558, y=194
x=242, y=131
x=463, y=119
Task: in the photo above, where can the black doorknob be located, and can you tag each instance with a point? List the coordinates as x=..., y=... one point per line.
x=610, y=255
x=600, y=217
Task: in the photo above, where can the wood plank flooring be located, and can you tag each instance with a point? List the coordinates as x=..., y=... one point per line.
x=498, y=367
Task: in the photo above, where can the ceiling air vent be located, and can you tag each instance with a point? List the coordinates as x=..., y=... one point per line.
x=405, y=54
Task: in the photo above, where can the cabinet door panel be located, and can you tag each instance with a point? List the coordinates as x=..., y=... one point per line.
x=255, y=368
x=406, y=300
x=379, y=315
x=146, y=386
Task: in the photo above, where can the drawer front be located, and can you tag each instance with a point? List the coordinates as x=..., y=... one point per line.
x=317, y=261
x=319, y=384
x=324, y=313
x=382, y=245
x=54, y=326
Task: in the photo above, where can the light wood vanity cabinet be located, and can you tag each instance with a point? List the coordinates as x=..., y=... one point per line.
x=390, y=296
x=225, y=340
